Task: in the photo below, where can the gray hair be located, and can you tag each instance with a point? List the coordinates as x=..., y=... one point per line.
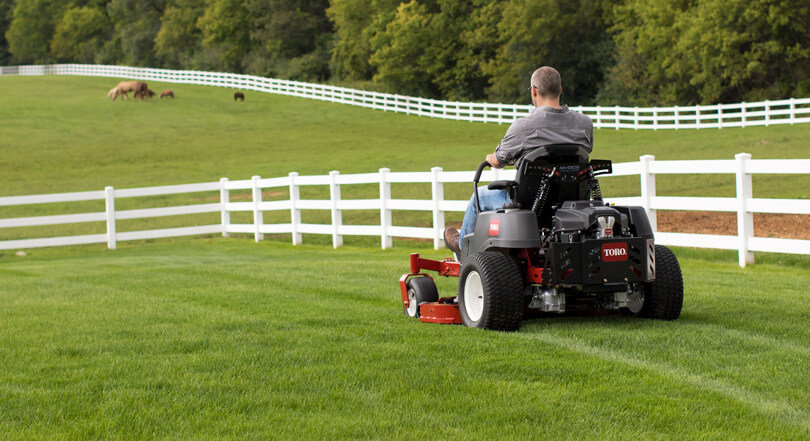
x=547, y=82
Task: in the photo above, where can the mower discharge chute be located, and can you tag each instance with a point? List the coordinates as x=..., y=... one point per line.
x=557, y=247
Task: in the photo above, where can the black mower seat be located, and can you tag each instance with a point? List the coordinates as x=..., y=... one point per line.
x=566, y=160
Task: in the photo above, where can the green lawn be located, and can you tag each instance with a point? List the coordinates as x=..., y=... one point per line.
x=228, y=339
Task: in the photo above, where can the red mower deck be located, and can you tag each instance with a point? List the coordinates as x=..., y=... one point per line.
x=446, y=309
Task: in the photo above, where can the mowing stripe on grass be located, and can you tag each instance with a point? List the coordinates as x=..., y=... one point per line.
x=762, y=404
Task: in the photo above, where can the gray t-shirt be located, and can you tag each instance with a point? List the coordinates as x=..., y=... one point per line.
x=544, y=126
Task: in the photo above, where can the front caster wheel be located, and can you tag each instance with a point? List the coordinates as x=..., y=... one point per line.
x=420, y=290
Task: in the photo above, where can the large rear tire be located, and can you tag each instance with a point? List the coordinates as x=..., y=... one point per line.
x=420, y=290
x=490, y=294
x=663, y=298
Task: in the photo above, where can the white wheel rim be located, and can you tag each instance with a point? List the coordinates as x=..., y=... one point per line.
x=474, y=296
x=412, y=303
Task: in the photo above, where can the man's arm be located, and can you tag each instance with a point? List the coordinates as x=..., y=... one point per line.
x=510, y=148
x=493, y=161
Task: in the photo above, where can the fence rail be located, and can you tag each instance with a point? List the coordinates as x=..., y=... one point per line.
x=764, y=113
x=744, y=205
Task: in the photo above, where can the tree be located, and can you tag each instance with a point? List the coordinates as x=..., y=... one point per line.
x=735, y=50
x=6, y=14
x=136, y=25
x=290, y=39
x=356, y=22
x=569, y=35
x=399, y=48
x=226, y=30
x=708, y=51
x=31, y=29
x=179, y=40
x=80, y=34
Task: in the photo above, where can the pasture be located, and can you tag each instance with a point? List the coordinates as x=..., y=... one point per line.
x=215, y=338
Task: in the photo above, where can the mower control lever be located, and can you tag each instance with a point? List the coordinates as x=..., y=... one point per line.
x=475, y=183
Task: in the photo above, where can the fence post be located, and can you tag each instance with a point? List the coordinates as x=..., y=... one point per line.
x=742, y=111
x=385, y=213
x=792, y=111
x=224, y=199
x=697, y=117
x=655, y=118
x=617, y=117
x=109, y=197
x=437, y=190
x=745, y=219
x=767, y=113
x=648, y=189
x=635, y=118
x=719, y=117
x=258, y=217
x=337, y=217
x=295, y=213
x=677, y=118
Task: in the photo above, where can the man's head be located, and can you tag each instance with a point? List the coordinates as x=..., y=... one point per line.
x=546, y=87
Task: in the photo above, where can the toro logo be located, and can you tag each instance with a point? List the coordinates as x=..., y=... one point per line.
x=494, y=227
x=614, y=252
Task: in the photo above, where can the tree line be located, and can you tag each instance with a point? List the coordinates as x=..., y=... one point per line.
x=626, y=52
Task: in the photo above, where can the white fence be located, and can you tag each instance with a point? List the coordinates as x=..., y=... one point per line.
x=790, y=111
x=647, y=168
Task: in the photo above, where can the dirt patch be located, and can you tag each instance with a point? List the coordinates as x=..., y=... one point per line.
x=786, y=226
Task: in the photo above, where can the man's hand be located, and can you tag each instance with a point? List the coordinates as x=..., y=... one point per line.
x=493, y=161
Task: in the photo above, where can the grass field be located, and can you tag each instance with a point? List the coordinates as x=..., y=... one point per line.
x=215, y=338
x=227, y=339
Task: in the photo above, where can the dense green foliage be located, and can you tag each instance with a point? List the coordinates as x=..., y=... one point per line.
x=230, y=340
x=629, y=52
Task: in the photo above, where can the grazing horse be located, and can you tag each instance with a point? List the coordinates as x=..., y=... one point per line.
x=238, y=96
x=144, y=93
x=124, y=87
x=167, y=93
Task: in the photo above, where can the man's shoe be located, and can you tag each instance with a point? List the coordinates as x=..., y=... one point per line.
x=451, y=240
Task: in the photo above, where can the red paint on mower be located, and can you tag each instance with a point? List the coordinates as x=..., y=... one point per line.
x=446, y=309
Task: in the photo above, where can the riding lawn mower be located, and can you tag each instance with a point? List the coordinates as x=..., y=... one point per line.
x=556, y=248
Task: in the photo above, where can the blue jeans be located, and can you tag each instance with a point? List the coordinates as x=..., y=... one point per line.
x=489, y=200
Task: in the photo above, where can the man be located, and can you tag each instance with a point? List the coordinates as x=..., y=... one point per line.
x=549, y=123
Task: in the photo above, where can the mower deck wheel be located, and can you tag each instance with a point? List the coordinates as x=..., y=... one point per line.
x=420, y=290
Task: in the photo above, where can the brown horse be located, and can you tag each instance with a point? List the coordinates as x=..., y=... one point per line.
x=124, y=87
x=168, y=93
x=144, y=93
x=238, y=96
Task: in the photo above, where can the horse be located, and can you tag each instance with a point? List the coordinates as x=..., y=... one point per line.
x=142, y=90
x=238, y=96
x=144, y=93
x=167, y=93
x=124, y=87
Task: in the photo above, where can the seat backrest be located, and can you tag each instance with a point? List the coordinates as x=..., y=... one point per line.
x=568, y=184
